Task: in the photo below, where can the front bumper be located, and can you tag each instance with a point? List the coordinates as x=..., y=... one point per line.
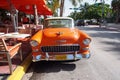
x=63, y=57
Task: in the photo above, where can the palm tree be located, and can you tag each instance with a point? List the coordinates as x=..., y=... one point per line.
x=74, y=3
x=53, y=5
x=84, y=8
x=61, y=7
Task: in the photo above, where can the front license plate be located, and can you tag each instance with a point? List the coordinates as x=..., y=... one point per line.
x=61, y=57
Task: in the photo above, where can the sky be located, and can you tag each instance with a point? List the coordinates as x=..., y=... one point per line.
x=68, y=5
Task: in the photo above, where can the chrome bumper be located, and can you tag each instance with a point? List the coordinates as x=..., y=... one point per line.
x=63, y=57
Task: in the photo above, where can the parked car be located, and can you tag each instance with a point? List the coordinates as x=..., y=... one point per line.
x=80, y=22
x=60, y=40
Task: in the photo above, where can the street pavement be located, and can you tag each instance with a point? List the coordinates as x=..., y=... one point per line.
x=110, y=26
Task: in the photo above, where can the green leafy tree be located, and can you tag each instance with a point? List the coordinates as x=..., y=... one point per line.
x=76, y=15
x=75, y=2
x=3, y=14
x=97, y=11
x=116, y=9
x=84, y=8
x=92, y=11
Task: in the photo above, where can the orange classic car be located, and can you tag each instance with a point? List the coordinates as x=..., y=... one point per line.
x=60, y=40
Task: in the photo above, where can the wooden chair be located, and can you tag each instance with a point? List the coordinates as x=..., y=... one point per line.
x=8, y=52
x=25, y=31
x=4, y=30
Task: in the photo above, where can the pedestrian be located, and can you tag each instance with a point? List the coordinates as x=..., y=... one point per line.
x=25, y=20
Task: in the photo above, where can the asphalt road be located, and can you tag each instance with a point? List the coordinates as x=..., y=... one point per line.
x=104, y=63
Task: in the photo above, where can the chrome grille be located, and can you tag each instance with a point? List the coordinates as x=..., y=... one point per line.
x=61, y=48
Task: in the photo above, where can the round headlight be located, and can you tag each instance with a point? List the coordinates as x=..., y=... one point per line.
x=86, y=41
x=34, y=43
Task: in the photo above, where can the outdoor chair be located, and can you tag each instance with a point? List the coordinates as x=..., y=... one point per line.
x=25, y=31
x=8, y=52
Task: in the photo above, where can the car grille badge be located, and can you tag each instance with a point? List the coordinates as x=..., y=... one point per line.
x=61, y=41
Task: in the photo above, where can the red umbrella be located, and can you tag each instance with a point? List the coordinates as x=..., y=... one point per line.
x=41, y=9
x=26, y=6
x=17, y=3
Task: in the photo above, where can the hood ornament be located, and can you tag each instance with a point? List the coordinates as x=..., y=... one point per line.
x=59, y=33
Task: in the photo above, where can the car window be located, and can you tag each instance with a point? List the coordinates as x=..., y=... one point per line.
x=55, y=23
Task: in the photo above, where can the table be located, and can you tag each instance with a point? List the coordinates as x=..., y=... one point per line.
x=1, y=33
x=14, y=35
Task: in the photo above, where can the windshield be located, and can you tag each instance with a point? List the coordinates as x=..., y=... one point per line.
x=57, y=23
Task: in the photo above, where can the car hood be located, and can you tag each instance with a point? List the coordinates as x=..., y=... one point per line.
x=67, y=35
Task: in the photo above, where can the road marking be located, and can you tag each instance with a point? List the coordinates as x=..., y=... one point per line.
x=21, y=69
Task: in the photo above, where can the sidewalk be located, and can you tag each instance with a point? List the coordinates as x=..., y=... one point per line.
x=111, y=26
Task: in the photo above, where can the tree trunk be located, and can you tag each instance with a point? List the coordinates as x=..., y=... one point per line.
x=35, y=14
x=62, y=7
x=117, y=16
x=13, y=16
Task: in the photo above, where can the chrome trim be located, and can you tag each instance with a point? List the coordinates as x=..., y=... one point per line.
x=47, y=56
x=75, y=55
x=86, y=48
x=61, y=48
x=68, y=57
x=35, y=50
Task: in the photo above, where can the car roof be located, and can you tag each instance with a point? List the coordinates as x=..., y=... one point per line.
x=59, y=18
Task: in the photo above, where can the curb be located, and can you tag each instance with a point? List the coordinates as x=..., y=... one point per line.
x=21, y=69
